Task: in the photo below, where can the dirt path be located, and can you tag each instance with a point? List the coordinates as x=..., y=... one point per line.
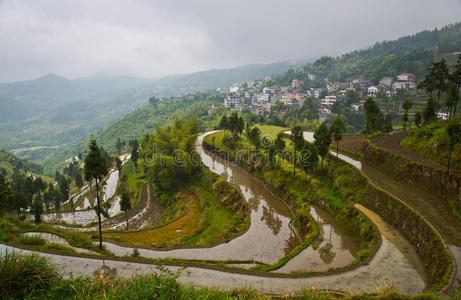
x=435, y=210
x=392, y=143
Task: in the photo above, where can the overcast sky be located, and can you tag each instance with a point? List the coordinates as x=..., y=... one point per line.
x=156, y=38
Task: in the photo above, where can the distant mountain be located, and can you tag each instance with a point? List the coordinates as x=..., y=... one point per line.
x=41, y=114
x=12, y=110
x=222, y=77
x=51, y=91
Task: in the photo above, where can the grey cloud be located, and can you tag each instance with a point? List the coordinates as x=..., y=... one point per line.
x=155, y=38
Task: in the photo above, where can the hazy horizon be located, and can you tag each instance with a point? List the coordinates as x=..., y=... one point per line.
x=152, y=40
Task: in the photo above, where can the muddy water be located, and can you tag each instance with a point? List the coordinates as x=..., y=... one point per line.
x=385, y=268
x=409, y=255
x=269, y=237
x=332, y=249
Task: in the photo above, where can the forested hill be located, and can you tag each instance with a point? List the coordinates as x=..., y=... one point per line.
x=9, y=163
x=411, y=53
x=140, y=122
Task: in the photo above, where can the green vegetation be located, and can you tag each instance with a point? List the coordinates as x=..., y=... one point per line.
x=200, y=208
x=205, y=211
x=96, y=169
x=9, y=163
x=11, y=230
x=21, y=276
x=410, y=53
x=308, y=185
x=34, y=277
x=432, y=141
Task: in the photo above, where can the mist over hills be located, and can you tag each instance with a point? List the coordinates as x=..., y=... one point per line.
x=54, y=111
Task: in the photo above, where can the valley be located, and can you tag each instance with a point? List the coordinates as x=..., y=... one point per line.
x=334, y=177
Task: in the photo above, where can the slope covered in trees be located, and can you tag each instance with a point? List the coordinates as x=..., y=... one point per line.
x=407, y=54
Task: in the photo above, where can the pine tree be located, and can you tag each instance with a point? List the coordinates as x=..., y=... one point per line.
x=135, y=152
x=119, y=146
x=322, y=140
x=430, y=112
x=297, y=140
x=337, y=130
x=406, y=107
x=96, y=169
x=125, y=205
x=309, y=157
x=37, y=207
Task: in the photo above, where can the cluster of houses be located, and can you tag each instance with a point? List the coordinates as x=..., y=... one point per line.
x=387, y=87
x=259, y=98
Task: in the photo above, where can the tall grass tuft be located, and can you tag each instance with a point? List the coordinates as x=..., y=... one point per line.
x=21, y=274
x=32, y=240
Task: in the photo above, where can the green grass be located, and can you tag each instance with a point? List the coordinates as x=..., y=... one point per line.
x=195, y=216
x=431, y=142
x=22, y=275
x=31, y=240
x=34, y=277
x=272, y=130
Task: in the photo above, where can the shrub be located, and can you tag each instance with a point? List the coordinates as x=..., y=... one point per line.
x=22, y=274
x=135, y=253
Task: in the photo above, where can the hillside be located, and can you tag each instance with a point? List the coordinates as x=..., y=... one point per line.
x=411, y=53
x=407, y=54
x=138, y=123
x=431, y=142
x=52, y=112
x=9, y=163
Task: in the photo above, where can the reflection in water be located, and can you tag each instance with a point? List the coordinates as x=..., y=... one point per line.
x=333, y=248
x=290, y=244
x=271, y=219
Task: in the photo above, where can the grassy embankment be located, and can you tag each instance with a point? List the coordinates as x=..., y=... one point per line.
x=34, y=277
x=195, y=215
x=11, y=229
x=431, y=142
x=298, y=191
x=196, y=218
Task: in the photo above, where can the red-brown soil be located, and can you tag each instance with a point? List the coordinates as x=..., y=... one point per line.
x=392, y=143
x=353, y=143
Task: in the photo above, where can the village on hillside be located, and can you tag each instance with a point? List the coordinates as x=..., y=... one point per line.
x=263, y=99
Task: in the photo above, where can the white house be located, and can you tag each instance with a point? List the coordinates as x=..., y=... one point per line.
x=328, y=100
x=372, y=90
x=268, y=90
x=408, y=77
x=232, y=101
x=357, y=107
x=443, y=116
x=262, y=98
